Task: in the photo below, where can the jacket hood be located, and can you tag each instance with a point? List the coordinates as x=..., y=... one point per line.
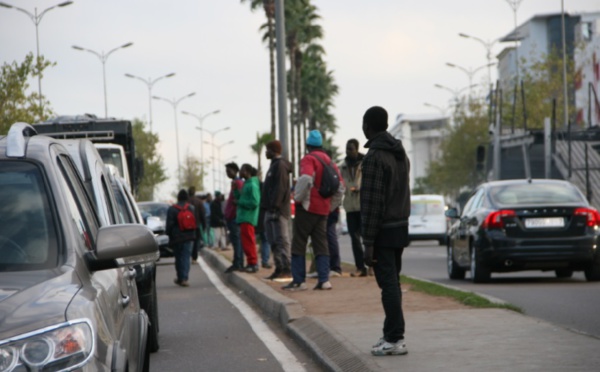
x=286, y=164
x=385, y=141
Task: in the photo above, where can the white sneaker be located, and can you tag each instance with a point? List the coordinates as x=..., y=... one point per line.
x=314, y=274
x=334, y=273
x=390, y=348
x=325, y=285
x=378, y=343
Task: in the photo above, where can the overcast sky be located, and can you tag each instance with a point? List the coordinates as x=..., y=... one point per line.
x=383, y=52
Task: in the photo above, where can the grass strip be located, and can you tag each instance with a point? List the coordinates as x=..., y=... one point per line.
x=466, y=298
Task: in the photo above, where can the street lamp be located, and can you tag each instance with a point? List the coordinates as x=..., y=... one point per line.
x=212, y=141
x=36, y=19
x=488, y=45
x=201, y=121
x=220, y=181
x=441, y=110
x=455, y=92
x=470, y=72
x=149, y=82
x=174, y=103
x=103, y=57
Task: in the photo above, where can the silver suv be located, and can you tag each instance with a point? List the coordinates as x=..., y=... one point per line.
x=67, y=289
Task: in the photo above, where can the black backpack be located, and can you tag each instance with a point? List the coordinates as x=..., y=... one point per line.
x=330, y=180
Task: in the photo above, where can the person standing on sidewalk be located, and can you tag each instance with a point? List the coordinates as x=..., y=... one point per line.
x=247, y=201
x=352, y=173
x=232, y=170
x=200, y=221
x=312, y=210
x=385, y=208
x=275, y=200
x=181, y=241
x=217, y=221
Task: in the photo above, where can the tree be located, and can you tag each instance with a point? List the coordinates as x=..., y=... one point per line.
x=257, y=147
x=154, y=170
x=16, y=105
x=192, y=171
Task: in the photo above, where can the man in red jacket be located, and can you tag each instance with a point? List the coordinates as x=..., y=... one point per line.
x=311, y=215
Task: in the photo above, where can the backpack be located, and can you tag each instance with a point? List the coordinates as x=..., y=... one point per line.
x=185, y=218
x=330, y=180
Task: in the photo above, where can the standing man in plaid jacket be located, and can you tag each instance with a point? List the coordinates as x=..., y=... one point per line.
x=385, y=207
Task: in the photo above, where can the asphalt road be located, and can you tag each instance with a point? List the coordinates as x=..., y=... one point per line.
x=572, y=303
x=201, y=330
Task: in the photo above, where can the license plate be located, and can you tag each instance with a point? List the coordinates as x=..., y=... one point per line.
x=540, y=223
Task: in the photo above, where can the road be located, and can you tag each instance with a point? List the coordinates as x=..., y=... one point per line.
x=210, y=327
x=572, y=303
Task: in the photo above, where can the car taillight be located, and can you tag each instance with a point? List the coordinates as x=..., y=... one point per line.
x=494, y=219
x=593, y=217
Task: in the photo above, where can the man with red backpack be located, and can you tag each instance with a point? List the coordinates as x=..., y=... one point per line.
x=181, y=228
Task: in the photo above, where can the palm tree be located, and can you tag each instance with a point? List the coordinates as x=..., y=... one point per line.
x=257, y=147
x=269, y=7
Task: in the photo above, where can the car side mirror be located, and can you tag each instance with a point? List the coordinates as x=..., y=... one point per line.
x=451, y=213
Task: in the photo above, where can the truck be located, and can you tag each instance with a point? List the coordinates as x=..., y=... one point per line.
x=112, y=137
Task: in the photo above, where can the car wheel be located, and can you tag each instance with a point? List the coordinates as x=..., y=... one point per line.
x=454, y=271
x=563, y=273
x=153, y=345
x=479, y=272
x=592, y=273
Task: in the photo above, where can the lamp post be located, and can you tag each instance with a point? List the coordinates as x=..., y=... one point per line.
x=212, y=144
x=455, y=92
x=36, y=19
x=149, y=82
x=220, y=181
x=440, y=109
x=174, y=103
x=103, y=57
x=488, y=45
x=201, y=122
x=470, y=73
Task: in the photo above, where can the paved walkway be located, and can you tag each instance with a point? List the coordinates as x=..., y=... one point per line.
x=448, y=340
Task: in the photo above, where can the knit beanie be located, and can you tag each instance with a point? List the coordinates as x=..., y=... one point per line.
x=314, y=138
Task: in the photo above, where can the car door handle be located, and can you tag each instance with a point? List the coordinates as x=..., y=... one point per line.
x=124, y=301
x=131, y=273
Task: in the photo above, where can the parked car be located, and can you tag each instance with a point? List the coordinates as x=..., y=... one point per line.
x=427, y=220
x=68, y=301
x=517, y=225
x=154, y=215
x=145, y=278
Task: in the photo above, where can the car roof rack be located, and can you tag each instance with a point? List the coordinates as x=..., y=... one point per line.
x=15, y=147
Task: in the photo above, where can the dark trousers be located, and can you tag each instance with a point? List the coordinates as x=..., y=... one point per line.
x=332, y=241
x=277, y=231
x=234, y=237
x=353, y=222
x=197, y=244
x=387, y=273
x=311, y=225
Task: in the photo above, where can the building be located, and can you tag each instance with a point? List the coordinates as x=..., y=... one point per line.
x=421, y=136
x=587, y=72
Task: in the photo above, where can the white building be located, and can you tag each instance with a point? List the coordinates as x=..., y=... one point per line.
x=421, y=136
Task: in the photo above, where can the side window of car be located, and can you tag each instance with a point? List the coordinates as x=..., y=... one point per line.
x=111, y=211
x=82, y=214
x=471, y=204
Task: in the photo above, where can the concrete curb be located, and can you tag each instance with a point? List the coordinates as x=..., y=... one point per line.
x=330, y=349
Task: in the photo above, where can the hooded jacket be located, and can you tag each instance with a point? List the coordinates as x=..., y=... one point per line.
x=352, y=174
x=275, y=195
x=176, y=236
x=385, y=190
x=248, y=202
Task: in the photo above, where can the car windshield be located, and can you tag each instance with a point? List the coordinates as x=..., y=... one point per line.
x=28, y=239
x=154, y=209
x=426, y=207
x=534, y=194
x=112, y=157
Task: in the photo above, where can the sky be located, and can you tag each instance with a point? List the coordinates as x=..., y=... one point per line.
x=388, y=53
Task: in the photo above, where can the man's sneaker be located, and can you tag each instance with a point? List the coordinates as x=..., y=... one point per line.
x=251, y=269
x=390, y=348
x=334, y=273
x=284, y=277
x=314, y=274
x=359, y=273
x=266, y=265
x=325, y=285
x=292, y=287
x=378, y=343
x=231, y=269
x=273, y=276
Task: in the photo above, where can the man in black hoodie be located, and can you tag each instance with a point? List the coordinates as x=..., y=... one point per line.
x=385, y=208
x=275, y=200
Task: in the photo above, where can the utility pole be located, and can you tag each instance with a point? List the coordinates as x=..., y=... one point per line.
x=281, y=76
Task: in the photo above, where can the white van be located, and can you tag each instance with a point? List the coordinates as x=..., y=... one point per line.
x=427, y=220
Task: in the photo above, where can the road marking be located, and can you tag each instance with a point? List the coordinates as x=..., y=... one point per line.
x=284, y=356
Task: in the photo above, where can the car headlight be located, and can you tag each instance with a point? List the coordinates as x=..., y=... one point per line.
x=62, y=347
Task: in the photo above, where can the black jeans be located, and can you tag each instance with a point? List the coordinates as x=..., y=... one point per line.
x=387, y=273
x=353, y=222
x=332, y=242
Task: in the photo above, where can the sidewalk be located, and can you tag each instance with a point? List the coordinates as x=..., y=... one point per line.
x=339, y=327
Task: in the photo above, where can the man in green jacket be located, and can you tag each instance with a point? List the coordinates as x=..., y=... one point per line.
x=248, y=201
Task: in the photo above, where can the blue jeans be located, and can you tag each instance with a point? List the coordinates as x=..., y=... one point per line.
x=182, y=253
x=265, y=248
x=332, y=241
x=234, y=237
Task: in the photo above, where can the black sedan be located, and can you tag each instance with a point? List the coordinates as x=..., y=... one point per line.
x=518, y=225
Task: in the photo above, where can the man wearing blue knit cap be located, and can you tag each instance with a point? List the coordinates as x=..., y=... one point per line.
x=312, y=210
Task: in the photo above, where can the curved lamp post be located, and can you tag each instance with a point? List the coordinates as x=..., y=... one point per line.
x=212, y=143
x=488, y=45
x=36, y=19
x=201, y=122
x=103, y=57
x=150, y=83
